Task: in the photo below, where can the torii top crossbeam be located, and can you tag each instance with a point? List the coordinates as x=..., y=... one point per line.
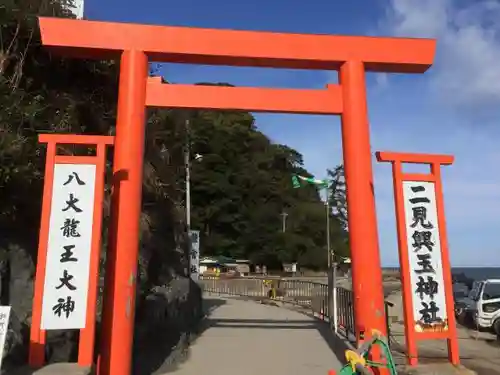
x=238, y=48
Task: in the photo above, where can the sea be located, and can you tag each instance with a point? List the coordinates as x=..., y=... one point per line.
x=461, y=286
x=475, y=273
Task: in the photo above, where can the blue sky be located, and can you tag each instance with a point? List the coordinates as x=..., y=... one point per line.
x=454, y=108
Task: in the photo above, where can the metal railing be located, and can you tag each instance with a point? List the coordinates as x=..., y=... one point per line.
x=345, y=313
x=308, y=294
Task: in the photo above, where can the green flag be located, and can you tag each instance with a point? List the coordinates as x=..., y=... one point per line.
x=298, y=181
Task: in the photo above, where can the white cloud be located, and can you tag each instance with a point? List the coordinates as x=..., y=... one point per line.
x=467, y=68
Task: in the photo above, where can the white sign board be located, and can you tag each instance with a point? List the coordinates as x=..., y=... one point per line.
x=77, y=8
x=66, y=284
x=4, y=328
x=424, y=254
x=194, y=254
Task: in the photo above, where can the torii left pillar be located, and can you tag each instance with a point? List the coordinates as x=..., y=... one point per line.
x=119, y=301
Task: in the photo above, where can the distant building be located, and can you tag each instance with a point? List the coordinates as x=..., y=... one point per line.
x=290, y=267
x=77, y=9
x=209, y=265
x=242, y=266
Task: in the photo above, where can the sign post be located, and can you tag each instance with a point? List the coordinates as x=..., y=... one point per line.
x=194, y=254
x=69, y=245
x=423, y=253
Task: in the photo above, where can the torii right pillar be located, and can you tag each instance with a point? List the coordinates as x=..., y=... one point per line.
x=363, y=234
x=423, y=253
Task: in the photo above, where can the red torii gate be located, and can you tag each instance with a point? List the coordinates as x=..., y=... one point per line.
x=135, y=45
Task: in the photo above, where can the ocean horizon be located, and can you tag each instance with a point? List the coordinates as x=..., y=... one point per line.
x=476, y=273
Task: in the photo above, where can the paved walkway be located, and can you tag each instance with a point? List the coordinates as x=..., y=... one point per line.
x=248, y=338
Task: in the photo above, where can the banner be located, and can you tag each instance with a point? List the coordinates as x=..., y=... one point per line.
x=69, y=247
x=194, y=254
x=424, y=256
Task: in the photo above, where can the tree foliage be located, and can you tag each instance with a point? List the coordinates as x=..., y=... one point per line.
x=243, y=185
x=239, y=189
x=337, y=196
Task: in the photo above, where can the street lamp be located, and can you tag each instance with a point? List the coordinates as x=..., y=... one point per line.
x=327, y=204
x=332, y=302
x=187, y=166
x=332, y=268
x=283, y=217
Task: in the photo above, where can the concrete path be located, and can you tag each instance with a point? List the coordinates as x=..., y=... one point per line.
x=248, y=338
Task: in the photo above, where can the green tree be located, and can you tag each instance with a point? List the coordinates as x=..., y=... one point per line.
x=338, y=204
x=337, y=198
x=242, y=186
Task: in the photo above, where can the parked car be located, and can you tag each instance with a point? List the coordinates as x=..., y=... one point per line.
x=481, y=306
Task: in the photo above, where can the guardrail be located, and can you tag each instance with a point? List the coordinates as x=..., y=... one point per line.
x=308, y=294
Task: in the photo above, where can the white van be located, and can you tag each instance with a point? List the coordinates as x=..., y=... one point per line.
x=483, y=303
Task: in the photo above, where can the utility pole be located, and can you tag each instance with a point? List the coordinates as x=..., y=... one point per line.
x=187, y=166
x=332, y=268
x=327, y=205
x=283, y=217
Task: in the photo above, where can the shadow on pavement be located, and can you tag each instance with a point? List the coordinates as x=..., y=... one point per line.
x=260, y=324
x=209, y=305
x=337, y=345
x=166, y=322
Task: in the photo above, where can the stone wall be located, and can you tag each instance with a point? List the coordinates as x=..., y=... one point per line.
x=166, y=320
x=17, y=272
x=168, y=306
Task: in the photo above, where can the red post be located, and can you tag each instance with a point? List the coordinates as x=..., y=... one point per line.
x=450, y=332
x=122, y=258
x=37, y=336
x=453, y=348
x=363, y=237
x=411, y=343
x=87, y=334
